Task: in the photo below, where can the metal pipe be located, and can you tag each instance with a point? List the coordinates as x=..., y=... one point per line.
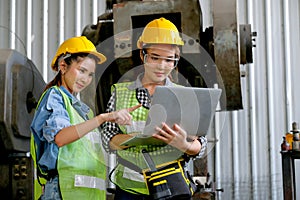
x=95, y=11
x=235, y=154
x=252, y=115
x=288, y=67
x=271, y=25
x=29, y=27
x=45, y=40
x=13, y=24
x=78, y=17
x=61, y=14
x=217, y=151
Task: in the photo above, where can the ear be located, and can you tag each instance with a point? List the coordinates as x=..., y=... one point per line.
x=142, y=55
x=62, y=65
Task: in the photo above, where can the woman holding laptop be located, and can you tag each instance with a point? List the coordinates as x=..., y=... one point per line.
x=159, y=51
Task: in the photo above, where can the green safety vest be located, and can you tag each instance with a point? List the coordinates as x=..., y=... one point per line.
x=127, y=179
x=81, y=164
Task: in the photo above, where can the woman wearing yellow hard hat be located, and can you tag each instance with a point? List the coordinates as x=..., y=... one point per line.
x=66, y=144
x=159, y=51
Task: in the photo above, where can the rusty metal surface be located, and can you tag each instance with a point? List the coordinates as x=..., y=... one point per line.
x=246, y=46
x=221, y=41
x=226, y=51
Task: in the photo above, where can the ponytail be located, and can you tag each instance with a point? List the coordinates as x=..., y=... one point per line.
x=55, y=81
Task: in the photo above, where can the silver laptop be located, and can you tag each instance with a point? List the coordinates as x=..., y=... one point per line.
x=191, y=108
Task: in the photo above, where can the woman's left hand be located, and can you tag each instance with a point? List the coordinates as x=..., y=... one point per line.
x=177, y=137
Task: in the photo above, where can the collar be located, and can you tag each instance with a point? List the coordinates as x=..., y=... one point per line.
x=74, y=101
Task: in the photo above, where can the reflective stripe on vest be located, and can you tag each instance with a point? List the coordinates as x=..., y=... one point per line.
x=89, y=182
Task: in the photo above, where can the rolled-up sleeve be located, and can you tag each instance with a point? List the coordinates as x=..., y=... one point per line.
x=58, y=116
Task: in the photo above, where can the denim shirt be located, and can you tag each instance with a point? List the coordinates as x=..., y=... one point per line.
x=50, y=117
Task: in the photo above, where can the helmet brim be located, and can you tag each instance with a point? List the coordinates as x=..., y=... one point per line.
x=100, y=56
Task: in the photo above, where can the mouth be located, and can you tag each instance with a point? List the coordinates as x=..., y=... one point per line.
x=80, y=86
x=159, y=74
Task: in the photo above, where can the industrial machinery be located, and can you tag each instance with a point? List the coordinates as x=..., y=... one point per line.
x=20, y=82
x=208, y=57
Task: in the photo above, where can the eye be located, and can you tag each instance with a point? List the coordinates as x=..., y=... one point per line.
x=170, y=60
x=82, y=70
x=91, y=74
x=154, y=57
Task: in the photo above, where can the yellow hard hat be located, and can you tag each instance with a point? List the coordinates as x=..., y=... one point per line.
x=160, y=31
x=77, y=45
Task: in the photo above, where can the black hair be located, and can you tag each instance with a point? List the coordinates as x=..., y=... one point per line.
x=74, y=57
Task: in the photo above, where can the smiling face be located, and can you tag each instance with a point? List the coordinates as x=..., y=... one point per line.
x=78, y=74
x=159, y=60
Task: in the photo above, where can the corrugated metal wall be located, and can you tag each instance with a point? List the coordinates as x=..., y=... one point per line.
x=37, y=27
x=245, y=161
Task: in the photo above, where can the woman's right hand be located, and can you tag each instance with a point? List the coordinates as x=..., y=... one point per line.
x=122, y=116
x=72, y=133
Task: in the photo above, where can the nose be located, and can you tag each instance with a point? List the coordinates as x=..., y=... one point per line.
x=161, y=65
x=85, y=78
x=162, y=61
